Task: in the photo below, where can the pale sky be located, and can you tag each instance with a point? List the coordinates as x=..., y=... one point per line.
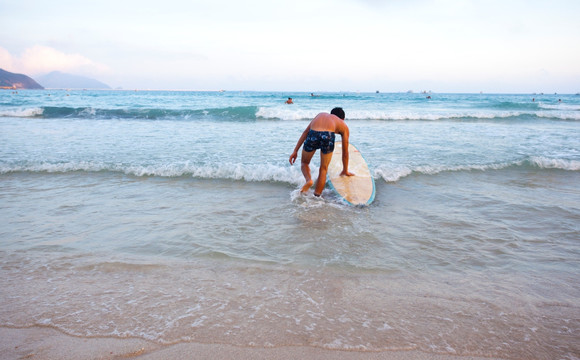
x=520, y=46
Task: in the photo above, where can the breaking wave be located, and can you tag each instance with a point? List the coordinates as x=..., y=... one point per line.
x=271, y=172
x=253, y=113
x=394, y=174
x=249, y=173
x=228, y=113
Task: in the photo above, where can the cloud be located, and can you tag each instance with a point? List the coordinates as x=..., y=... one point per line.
x=43, y=59
x=6, y=61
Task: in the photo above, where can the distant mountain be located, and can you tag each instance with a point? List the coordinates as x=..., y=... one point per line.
x=59, y=80
x=10, y=80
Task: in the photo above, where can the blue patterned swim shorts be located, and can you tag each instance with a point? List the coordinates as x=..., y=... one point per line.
x=323, y=140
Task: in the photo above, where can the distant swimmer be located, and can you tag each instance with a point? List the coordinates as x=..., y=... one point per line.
x=289, y=101
x=319, y=134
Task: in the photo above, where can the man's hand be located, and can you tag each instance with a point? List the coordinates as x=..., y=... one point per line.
x=346, y=173
x=293, y=157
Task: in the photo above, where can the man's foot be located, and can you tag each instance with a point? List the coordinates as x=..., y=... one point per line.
x=307, y=186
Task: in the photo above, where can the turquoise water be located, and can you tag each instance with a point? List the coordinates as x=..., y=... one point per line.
x=175, y=216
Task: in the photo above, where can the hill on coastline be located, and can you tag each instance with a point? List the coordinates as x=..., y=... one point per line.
x=10, y=80
x=60, y=80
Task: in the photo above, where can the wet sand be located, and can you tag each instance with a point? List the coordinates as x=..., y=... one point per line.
x=48, y=344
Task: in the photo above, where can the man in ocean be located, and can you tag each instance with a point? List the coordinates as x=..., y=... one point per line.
x=319, y=134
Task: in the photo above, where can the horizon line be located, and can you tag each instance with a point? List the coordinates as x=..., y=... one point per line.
x=422, y=92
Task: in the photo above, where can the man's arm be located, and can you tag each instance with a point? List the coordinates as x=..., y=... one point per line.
x=298, y=145
x=345, y=136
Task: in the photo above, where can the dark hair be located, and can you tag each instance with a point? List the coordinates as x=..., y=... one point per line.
x=338, y=112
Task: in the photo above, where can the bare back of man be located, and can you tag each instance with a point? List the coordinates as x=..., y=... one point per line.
x=319, y=134
x=327, y=122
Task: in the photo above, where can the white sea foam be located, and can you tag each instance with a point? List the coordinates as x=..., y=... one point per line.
x=249, y=173
x=55, y=167
x=252, y=173
x=31, y=112
x=560, y=106
x=273, y=173
x=290, y=113
x=399, y=115
x=286, y=113
x=391, y=174
x=547, y=163
x=394, y=174
x=562, y=115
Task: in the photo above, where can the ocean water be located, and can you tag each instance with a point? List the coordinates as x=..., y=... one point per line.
x=176, y=217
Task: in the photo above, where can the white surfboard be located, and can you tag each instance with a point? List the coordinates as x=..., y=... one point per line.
x=355, y=190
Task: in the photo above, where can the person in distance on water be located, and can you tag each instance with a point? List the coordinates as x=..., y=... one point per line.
x=319, y=134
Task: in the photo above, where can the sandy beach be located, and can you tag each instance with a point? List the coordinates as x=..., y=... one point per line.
x=48, y=344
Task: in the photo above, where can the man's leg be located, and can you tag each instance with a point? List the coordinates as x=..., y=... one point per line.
x=305, y=167
x=321, y=182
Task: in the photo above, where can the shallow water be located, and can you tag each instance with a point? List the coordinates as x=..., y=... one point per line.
x=189, y=226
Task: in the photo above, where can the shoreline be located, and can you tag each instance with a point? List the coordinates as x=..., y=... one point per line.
x=48, y=343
